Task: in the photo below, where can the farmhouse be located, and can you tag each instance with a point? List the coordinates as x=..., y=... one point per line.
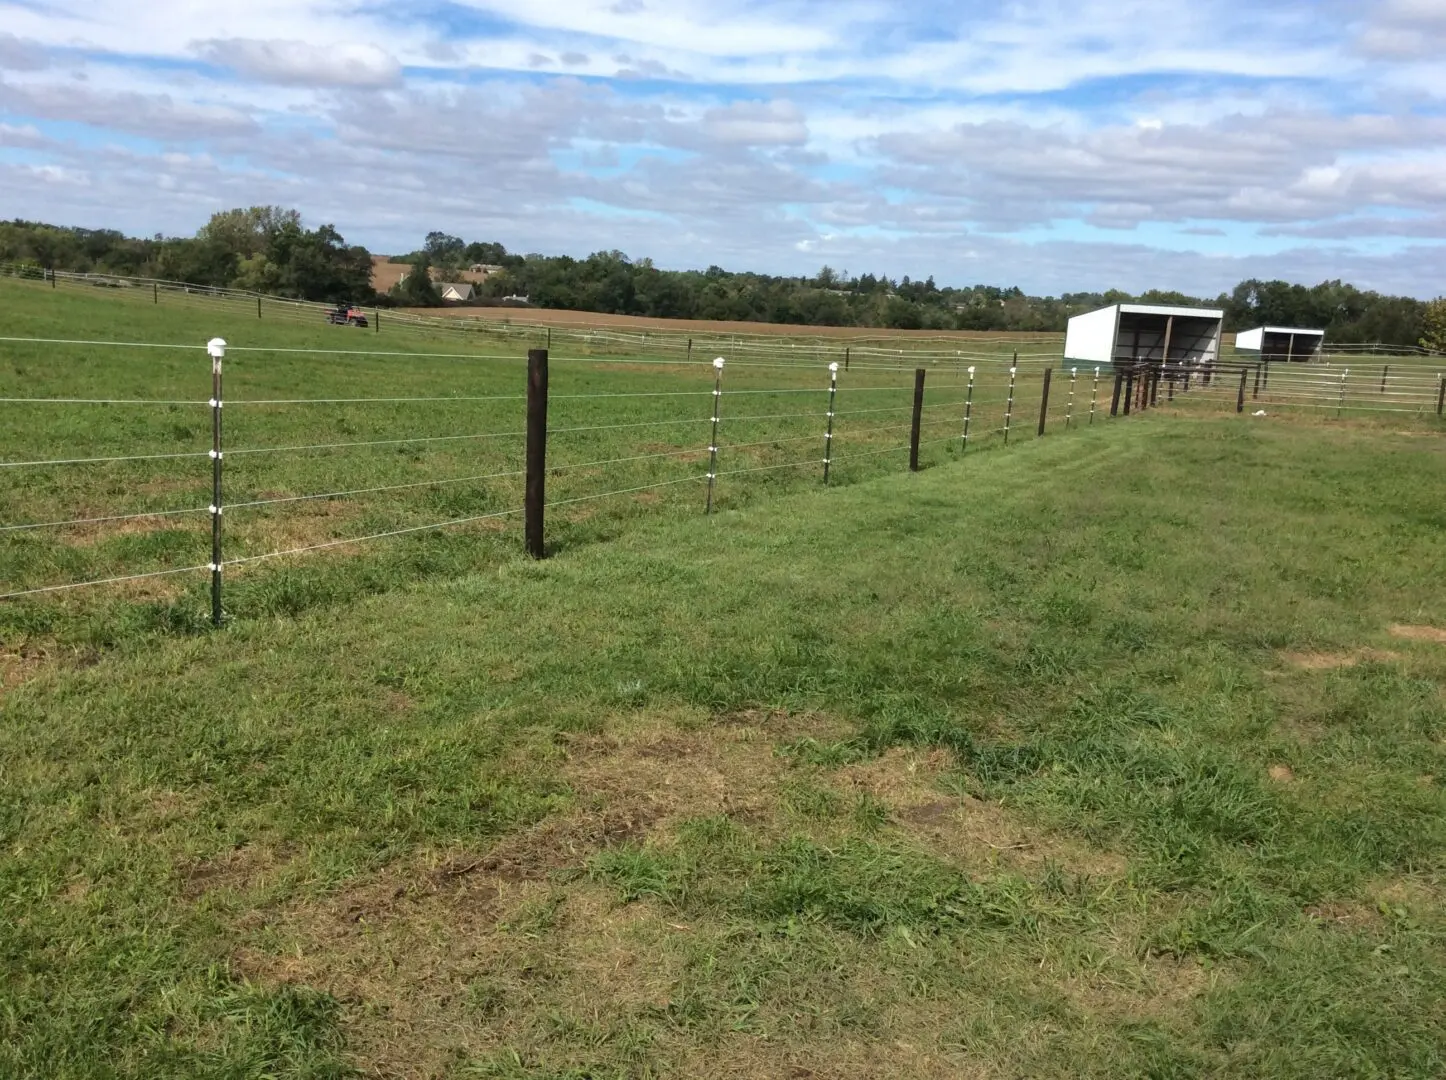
x=1282, y=343
x=455, y=290
x=1144, y=333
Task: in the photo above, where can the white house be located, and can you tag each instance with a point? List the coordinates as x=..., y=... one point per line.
x=1132, y=333
x=455, y=290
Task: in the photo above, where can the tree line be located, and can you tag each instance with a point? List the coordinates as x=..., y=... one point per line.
x=268, y=249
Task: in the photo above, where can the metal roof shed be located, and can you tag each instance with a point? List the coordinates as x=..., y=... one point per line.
x=1282, y=342
x=1142, y=333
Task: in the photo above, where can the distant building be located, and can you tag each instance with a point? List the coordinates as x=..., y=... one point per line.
x=1282, y=343
x=485, y=269
x=1145, y=333
x=515, y=299
x=455, y=290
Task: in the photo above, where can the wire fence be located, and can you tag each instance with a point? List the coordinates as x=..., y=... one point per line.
x=111, y=450
x=125, y=482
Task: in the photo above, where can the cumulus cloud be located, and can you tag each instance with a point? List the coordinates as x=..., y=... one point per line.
x=1034, y=142
x=19, y=54
x=297, y=63
x=757, y=123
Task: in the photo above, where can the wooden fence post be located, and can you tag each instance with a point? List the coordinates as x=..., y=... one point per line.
x=918, y=419
x=534, y=498
x=1044, y=399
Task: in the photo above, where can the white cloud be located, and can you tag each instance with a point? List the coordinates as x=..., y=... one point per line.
x=909, y=139
x=757, y=123
x=295, y=63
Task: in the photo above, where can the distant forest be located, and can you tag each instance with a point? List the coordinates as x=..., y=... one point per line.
x=267, y=249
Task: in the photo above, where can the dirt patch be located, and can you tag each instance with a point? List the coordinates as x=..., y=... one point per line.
x=20, y=666
x=1146, y=988
x=1282, y=774
x=975, y=832
x=639, y=782
x=1321, y=661
x=1344, y=916
x=1420, y=633
x=433, y=963
x=235, y=871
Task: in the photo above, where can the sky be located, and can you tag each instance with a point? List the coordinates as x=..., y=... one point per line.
x=1060, y=146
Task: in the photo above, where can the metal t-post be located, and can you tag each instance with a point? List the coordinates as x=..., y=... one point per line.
x=216, y=347
x=828, y=433
x=713, y=441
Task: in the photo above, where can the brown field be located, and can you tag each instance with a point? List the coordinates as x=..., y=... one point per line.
x=587, y=320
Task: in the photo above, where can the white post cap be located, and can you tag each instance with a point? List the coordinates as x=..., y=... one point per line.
x=216, y=347
x=834, y=367
x=971, y=371
x=718, y=363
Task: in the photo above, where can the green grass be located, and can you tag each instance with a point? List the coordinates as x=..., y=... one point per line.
x=1093, y=758
x=771, y=441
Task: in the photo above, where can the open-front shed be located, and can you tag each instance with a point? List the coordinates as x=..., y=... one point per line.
x=1133, y=334
x=1282, y=343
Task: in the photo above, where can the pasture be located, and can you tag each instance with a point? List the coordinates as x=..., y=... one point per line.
x=1115, y=754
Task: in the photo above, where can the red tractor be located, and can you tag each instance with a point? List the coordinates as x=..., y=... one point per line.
x=346, y=315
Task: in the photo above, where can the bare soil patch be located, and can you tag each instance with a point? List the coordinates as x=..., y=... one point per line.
x=1322, y=661
x=19, y=666
x=235, y=871
x=1433, y=634
x=965, y=829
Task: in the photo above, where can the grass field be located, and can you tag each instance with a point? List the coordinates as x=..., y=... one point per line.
x=316, y=410
x=1118, y=754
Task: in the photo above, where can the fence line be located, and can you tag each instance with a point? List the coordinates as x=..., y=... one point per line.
x=1313, y=387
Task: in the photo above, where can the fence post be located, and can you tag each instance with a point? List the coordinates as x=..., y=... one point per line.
x=1385, y=370
x=549, y=339
x=1044, y=400
x=1169, y=383
x=1129, y=389
x=1255, y=394
x=377, y=318
x=968, y=410
x=828, y=433
x=258, y=307
x=847, y=350
x=52, y=277
x=918, y=420
x=1069, y=407
x=1265, y=374
x=155, y=293
x=535, y=493
x=216, y=347
x=713, y=441
x=1009, y=403
x=1094, y=397
x=1240, y=398
x=1154, y=387
x=690, y=350
x=1341, y=404
x=1441, y=394
x=1115, y=397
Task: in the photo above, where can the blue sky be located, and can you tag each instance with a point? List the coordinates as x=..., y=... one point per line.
x=1061, y=146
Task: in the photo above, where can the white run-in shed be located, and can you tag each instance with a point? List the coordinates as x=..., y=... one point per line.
x=1129, y=333
x=1282, y=343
